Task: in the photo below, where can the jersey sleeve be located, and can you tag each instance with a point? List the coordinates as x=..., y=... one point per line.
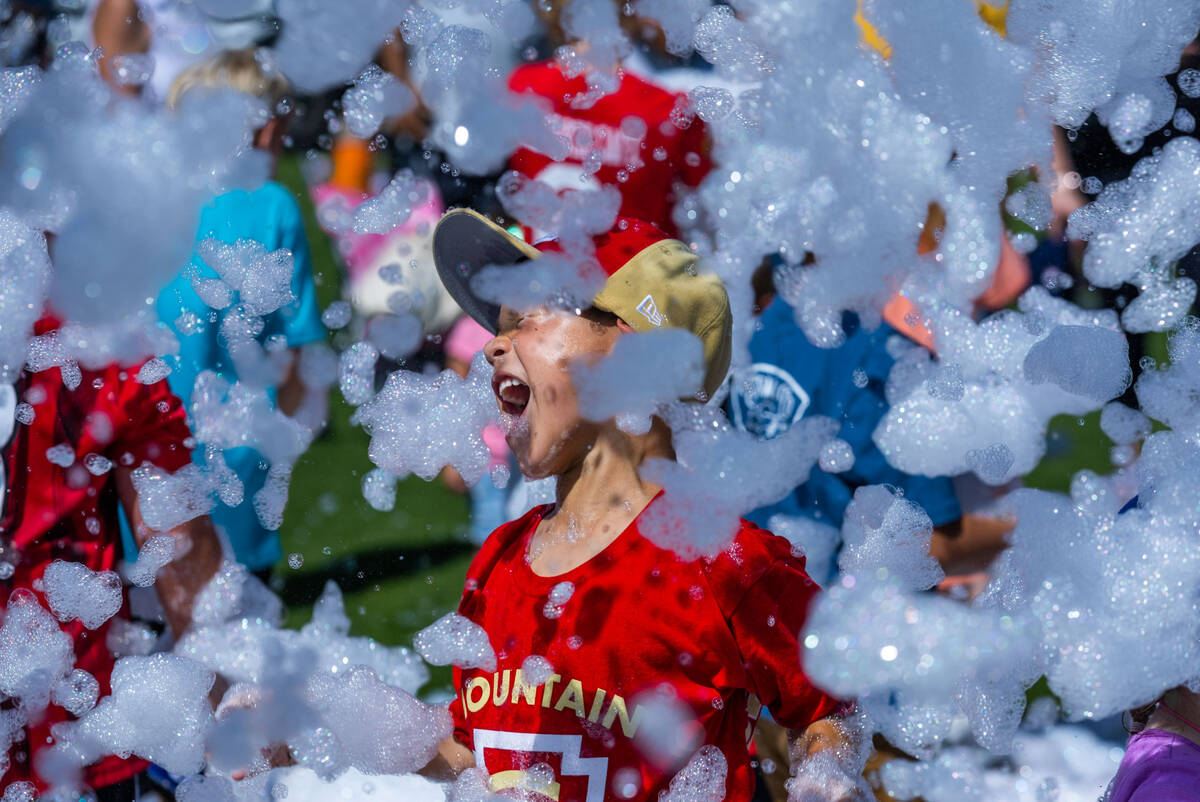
x=149, y=424
x=767, y=619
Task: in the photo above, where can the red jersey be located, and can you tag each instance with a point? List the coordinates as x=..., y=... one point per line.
x=721, y=634
x=628, y=134
x=52, y=512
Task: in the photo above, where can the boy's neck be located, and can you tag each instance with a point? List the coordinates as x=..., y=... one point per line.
x=1186, y=704
x=598, y=499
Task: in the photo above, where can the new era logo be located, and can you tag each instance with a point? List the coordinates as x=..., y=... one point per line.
x=649, y=310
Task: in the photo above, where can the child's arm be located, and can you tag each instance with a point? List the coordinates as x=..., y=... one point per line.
x=827, y=762
x=452, y=759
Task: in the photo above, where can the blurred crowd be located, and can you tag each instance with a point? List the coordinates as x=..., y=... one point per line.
x=637, y=136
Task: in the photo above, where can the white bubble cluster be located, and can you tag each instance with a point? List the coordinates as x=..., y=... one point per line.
x=158, y=710
x=74, y=591
x=120, y=183
x=392, y=207
x=1139, y=227
x=259, y=280
x=458, y=641
x=721, y=474
x=419, y=424
x=375, y=96
x=153, y=555
x=1012, y=373
x=642, y=372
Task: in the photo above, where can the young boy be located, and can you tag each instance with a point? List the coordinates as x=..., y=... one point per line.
x=620, y=621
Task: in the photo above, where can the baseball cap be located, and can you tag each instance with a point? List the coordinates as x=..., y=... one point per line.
x=653, y=280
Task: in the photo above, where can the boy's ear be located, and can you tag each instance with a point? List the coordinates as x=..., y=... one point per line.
x=624, y=327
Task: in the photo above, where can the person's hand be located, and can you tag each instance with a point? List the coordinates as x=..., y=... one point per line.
x=827, y=761
x=823, y=778
x=245, y=696
x=453, y=480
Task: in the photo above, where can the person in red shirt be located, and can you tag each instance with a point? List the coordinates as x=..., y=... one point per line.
x=641, y=139
x=60, y=510
x=598, y=632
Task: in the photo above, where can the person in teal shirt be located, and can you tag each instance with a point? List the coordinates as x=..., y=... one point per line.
x=268, y=215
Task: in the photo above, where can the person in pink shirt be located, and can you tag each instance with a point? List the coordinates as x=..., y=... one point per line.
x=1162, y=758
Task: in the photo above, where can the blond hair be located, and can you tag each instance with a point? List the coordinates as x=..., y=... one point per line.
x=240, y=70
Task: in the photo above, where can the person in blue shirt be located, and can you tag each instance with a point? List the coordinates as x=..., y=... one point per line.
x=269, y=215
x=790, y=378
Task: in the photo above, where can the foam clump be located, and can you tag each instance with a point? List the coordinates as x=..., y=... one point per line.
x=379, y=489
x=836, y=456
x=168, y=500
x=77, y=692
x=1017, y=370
x=721, y=474
x=120, y=183
x=34, y=651
x=321, y=46
x=701, y=780
x=1136, y=42
x=825, y=775
x=885, y=535
x=379, y=729
x=1091, y=361
x=226, y=416
x=1139, y=227
x=898, y=652
x=1124, y=425
x=392, y=207
x=158, y=709
x=336, y=315
x=153, y=555
x=233, y=592
x=25, y=274
x=237, y=641
x=201, y=788
x=1104, y=596
x=420, y=424
x=642, y=372
x=258, y=279
x=479, y=123
x=455, y=640
x=535, y=670
x=74, y=591
x=356, y=372
x=817, y=541
x=304, y=784
x=154, y=370
x=375, y=96
x=20, y=792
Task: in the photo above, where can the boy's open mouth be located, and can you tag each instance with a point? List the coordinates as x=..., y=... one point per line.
x=512, y=393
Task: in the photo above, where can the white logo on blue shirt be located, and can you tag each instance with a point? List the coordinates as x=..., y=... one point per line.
x=767, y=400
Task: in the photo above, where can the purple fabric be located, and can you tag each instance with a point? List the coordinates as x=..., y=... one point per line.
x=1158, y=766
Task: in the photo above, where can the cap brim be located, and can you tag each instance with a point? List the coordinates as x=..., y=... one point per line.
x=464, y=243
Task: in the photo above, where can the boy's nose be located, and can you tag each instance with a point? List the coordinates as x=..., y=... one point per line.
x=497, y=347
